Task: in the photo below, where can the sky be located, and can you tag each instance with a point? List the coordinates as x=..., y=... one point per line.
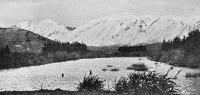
x=80, y=12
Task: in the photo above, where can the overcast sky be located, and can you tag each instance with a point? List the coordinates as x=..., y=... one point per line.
x=79, y=12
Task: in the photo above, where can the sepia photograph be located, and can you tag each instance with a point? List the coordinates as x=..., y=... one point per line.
x=99, y=47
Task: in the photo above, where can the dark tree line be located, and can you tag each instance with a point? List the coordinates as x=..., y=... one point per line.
x=125, y=49
x=175, y=43
x=54, y=46
x=5, y=51
x=5, y=57
x=10, y=59
x=190, y=43
x=52, y=52
x=188, y=47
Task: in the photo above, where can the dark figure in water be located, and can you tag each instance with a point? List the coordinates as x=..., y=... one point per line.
x=90, y=72
x=62, y=75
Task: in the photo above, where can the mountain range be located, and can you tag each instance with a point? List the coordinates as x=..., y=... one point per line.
x=125, y=29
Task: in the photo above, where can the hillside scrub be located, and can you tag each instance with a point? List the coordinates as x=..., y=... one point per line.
x=19, y=48
x=132, y=50
x=178, y=52
x=54, y=46
x=181, y=52
x=52, y=52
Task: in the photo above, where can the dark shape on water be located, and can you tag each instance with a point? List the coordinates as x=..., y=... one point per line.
x=90, y=72
x=171, y=68
x=62, y=74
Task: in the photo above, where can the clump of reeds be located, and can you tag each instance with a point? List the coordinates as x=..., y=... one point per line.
x=91, y=83
x=138, y=67
x=147, y=83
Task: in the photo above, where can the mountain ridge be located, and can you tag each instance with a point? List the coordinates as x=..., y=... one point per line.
x=132, y=30
x=124, y=29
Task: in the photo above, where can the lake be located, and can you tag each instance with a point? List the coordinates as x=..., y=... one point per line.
x=50, y=76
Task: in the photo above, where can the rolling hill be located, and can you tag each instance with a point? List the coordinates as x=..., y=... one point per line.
x=20, y=40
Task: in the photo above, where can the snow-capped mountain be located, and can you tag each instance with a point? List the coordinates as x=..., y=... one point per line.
x=46, y=28
x=125, y=29
x=132, y=30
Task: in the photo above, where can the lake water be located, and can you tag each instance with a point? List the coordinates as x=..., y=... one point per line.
x=50, y=76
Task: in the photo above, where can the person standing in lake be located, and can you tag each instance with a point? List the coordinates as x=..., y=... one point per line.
x=62, y=75
x=90, y=72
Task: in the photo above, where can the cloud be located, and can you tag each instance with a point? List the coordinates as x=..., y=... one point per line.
x=78, y=12
x=15, y=11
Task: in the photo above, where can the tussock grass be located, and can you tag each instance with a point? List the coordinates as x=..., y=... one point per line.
x=104, y=69
x=138, y=67
x=110, y=68
x=114, y=69
x=91, y=83
x=149, y=83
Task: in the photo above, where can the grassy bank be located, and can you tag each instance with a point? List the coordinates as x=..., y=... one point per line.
x=63, y=92
x=59, y=92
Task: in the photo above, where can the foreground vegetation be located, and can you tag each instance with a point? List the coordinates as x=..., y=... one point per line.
x=59, y=92
x=91, y=83
x=147, y=83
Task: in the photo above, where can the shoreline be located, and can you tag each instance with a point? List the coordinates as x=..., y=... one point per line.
x=59, y=92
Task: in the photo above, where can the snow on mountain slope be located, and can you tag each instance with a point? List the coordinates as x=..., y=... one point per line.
x=46, y=28
x=131, y=30
x=124, y=29
x=4, y=25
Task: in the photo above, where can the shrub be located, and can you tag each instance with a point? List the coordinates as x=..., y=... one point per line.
x=114, y=69
x=104, y=69
x=138, y=67
x=192, y=75
x=150, y=83
x=91, y=83
x=122, y=85
x=110, y=66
